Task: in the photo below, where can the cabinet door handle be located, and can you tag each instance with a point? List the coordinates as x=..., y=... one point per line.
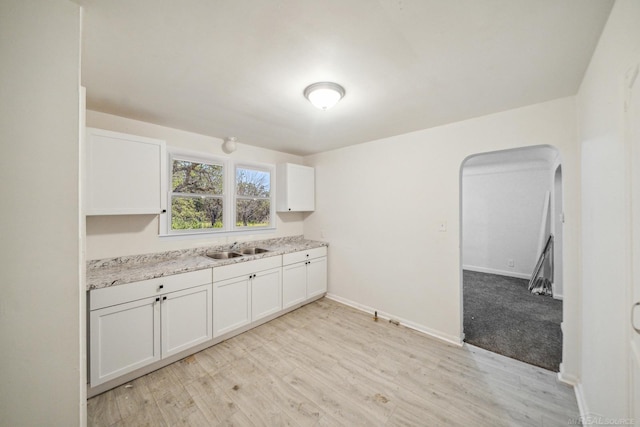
x=157, y=299
x=164, y=298
x=633, y=308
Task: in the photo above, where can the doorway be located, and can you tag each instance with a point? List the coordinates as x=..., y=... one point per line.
x=511, y=203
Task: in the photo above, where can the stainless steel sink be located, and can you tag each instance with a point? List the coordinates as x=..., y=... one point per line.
x=223, y=255
x=253, y=251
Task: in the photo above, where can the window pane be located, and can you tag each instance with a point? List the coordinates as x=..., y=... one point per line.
x=197, y=178
x=252, y=183
x=192, y=213
x=253, y=213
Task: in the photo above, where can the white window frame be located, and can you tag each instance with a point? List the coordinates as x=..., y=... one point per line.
x=272, y=199
x=228, y=196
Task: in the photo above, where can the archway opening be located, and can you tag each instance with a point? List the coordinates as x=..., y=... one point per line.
x=511, y=241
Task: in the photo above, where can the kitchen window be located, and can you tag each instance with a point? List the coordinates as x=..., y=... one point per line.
x=253, y=197
x=211, y=195
x=197, y=194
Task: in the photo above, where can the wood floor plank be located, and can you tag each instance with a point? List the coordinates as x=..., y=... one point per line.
x=102, y=410
x=179, y=408
x=301, y=410
x=134, y=399
x=209, y=361
x=327, y=364
x=214, y=404
x=332, y=401
x=260, y=409
x=137, y=405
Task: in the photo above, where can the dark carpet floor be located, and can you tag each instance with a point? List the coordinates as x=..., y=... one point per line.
x=502, y=316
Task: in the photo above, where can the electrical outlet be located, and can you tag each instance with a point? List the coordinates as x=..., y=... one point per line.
x=510, y=263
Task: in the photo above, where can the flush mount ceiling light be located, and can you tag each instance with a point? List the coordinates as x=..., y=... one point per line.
x=324, y=95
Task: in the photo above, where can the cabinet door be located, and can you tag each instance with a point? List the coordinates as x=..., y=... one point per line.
x=294, y=284
x=266, y=297
x=186, y=319
x=296, y=188
x=124, y=337
x=231, y=304
x=123, y=174
x=316, y=277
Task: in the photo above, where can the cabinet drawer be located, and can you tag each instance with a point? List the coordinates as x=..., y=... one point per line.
x=300, y=256
x=249, y=267
x=105, y=297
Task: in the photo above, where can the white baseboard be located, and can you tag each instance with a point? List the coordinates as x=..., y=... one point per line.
x=582, y=403
x=573, y=381
x=558, y=296
x=495, y=271
x=451, y=339
x=566, y=378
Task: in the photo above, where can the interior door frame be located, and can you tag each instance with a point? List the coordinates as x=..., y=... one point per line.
x=558, y=164
x=632, y=154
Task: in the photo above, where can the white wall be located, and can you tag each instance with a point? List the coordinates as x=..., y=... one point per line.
x=604, y=214
x=40, y=354
x=380, y=204
x=502, y=213
x=112, y=236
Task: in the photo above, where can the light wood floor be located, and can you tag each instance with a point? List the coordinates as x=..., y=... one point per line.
x=326, y=364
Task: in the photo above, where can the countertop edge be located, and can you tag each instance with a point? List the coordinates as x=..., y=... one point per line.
x=106, y=277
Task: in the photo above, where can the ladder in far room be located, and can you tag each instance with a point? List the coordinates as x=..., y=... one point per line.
x=540, y=282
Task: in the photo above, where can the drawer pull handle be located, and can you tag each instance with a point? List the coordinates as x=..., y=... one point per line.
x=161, y=287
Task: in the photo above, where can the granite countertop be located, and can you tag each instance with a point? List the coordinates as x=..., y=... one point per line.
x=108, y=272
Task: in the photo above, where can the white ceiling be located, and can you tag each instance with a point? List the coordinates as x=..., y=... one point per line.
x=238, y=67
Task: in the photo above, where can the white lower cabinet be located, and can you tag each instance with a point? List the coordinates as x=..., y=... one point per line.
x=124, y=337
x=246, y=292
x=266, y=294
x=136, y=324
x=294, y=284
x=316, y=277
x=231, y=304
x=304, y=276
x=186, y=318
x=128, y=332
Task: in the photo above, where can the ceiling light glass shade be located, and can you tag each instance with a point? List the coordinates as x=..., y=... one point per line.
x=229, y=144
x=324, y=95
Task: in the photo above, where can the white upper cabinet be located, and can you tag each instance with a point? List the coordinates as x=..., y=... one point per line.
x=124, y=174
x=295, y=188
